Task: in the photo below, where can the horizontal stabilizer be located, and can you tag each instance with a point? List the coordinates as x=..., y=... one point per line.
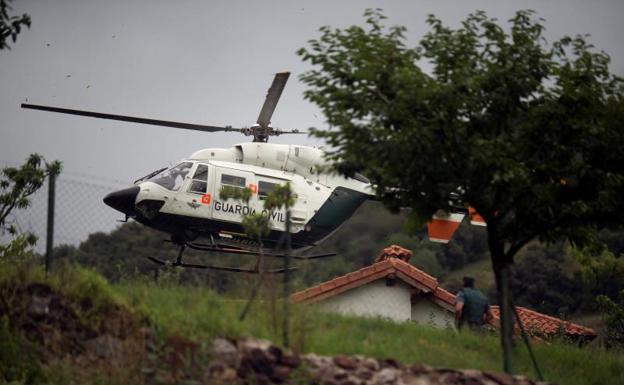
x=443, y=225
x=475, y=218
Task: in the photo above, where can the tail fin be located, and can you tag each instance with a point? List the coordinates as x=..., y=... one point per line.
x=443, y=225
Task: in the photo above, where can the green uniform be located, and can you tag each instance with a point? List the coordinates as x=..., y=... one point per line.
x=475, y=306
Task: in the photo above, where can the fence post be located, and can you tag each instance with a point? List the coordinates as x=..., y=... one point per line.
x=286, y=281
x=50, y=230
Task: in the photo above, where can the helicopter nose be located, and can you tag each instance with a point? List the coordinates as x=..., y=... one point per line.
x=123, y=200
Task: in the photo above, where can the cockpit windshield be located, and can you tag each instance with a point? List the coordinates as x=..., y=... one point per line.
x=172, y=178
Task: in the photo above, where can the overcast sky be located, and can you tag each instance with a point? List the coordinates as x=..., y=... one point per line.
x=207, y=62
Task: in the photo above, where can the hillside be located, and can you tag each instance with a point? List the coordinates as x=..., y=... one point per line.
x=75, y=327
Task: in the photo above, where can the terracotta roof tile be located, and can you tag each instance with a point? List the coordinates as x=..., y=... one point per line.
x=444, y=296
x=539, y=324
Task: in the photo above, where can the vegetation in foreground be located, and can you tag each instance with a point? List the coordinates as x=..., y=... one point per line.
x=201, y=315
x=198, y=314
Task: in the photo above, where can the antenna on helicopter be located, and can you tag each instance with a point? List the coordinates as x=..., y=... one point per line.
x=260, y=131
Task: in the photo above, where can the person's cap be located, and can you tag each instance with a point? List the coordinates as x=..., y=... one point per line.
x=469, y=281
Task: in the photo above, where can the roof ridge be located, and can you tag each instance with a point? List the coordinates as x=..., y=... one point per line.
x=400, y=263
x=394, y=264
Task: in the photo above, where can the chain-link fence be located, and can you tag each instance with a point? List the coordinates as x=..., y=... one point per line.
x=79, y=209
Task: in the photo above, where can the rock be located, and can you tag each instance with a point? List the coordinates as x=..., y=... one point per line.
x=39, y=306
x=364, y=373
x=291, y=360
x=390, y=363
x=450, y=377
x=216, y=368
x=260, y=361
x=371, y=364
x=225, y=351
x=340, y=374
x=228, y=375
x=470, y=373
x=521, y=380
x=280, y=373
x=420, y=369
x=105, y=346
x=414, y=379
x=260, y=379
x=248, y=344
x=386, y=376
x=312, y=360
x=346, y=362
x=501, y=378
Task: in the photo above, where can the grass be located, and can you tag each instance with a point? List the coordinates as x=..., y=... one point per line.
x=201, y=315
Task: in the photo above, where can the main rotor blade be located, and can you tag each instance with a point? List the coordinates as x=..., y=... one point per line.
x=154, y=122
x=279, y=81
x=277, y=132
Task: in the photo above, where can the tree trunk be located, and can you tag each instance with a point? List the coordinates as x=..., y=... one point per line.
x=502, y=272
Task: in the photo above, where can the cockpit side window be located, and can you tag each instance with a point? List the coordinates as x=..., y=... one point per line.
x=200, y=180
x=173, y=178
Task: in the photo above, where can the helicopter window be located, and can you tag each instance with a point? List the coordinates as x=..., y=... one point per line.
x=173, y=178
x=200, y=178
x=231, y=180
x=201, y=173
x=265, y=188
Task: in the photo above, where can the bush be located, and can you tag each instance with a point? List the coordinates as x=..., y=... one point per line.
x=613, y=314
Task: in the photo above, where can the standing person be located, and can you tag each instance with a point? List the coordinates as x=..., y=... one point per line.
x=472, y=306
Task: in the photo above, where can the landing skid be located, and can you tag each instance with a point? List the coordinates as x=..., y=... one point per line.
x=223, y=248
x=217, y=268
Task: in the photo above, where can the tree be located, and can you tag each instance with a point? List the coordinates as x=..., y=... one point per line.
x=527, y=133
x=10, y=26
x=613, y=314
x=17, y=184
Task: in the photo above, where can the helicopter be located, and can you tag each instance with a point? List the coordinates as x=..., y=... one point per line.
x=183, y=200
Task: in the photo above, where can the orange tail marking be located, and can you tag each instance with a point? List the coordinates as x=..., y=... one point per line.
x=475, y=218
x=442, y=226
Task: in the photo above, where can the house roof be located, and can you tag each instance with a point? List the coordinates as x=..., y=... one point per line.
x=535, y=323
x=538, y=324
x=408, y=273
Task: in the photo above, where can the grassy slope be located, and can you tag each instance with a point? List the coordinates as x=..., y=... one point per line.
x=201, y=315
x=480, y=270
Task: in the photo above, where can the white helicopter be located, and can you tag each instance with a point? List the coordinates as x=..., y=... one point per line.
x=184, y=202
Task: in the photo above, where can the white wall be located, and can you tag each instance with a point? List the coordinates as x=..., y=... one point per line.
x=374, y=299
x=425, y=312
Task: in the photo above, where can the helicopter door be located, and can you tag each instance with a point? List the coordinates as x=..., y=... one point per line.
x=194, y=199
x=232, y=210
x=299, y=211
